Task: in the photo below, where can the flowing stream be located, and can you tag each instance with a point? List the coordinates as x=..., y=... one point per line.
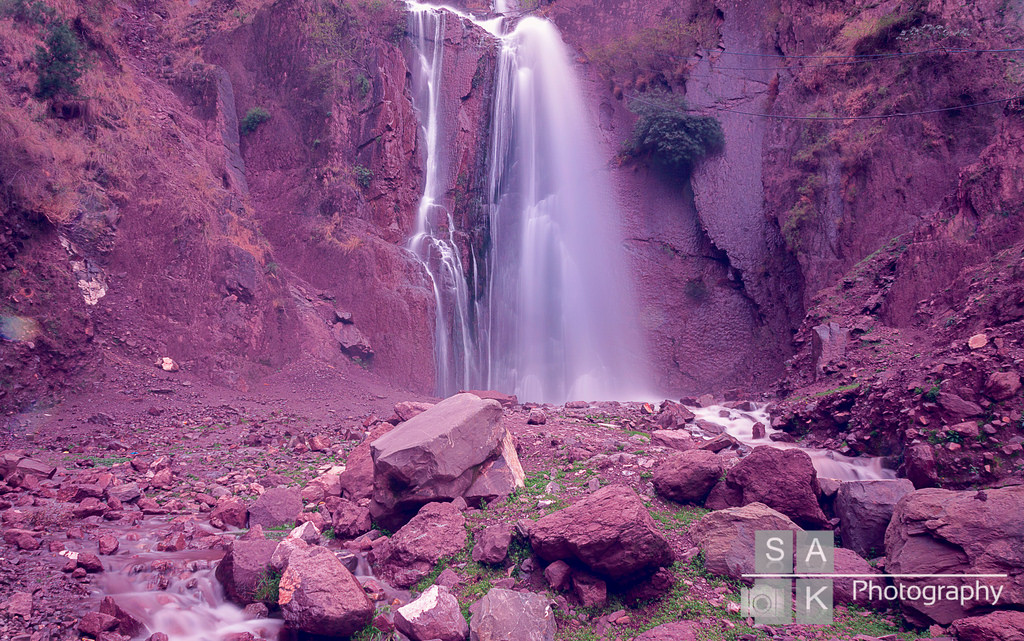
x=556, y=320
x=828, y=464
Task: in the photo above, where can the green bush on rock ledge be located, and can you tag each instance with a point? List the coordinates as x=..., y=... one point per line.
x=671, y=137
x=253, y=119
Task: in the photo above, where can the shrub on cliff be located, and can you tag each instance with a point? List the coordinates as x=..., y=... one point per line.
x=670, y=136
x=253, y=119
x=60, y=63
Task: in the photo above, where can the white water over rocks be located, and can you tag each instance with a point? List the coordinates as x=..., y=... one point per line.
x=557, y=319
x=829, y=464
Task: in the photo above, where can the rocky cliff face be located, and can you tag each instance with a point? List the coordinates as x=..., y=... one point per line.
x=147, y=217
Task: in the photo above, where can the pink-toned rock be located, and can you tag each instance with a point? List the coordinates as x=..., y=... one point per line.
x=687, y=477
x=316, y=519
x=673, y=416
x=936, y=531
x=1002, y=625
x=492, y=544
x=90, y=562
x=849, y=562
x=276, y=507
x=319, y=596
x=408, y=409
x=506, y=400
x=504, y=614
x=1002, y=386
x=726, y=537
x=108, y=544
x=243, y=566
x=89, y=507
x=864, y=509
x=438, y=530
x=164, y=479
x=94, y=623
x=349, y=520
x=23, y=539
x=434, y=456
x=126, y=623
x=675, y=631
x=434, y=615
x=610, y=531
x=357, y=480
x=921, y=468
x=783, y=479
x=76, y=492
x=673, y=439
x=231, y=512
x=590, y=590
x=20, y=604
x=537, y=417
x=558, y=575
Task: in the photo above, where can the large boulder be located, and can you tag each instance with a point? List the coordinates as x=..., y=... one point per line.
x=688, y=476
x=318, y=595
x=437, y=531
x=783, y=479
x=726, y=537
x=434, y=615
x=276, y=507
x=1005, y=625
x=503, y=615
x=935, y=531
x=864, y=509
x=434, y=456
x=610, y=531
x=357, y=480
x=245, y=563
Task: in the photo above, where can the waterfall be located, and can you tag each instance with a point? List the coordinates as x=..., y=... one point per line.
x=560, y=312
x=433, y=241
x=557, y=320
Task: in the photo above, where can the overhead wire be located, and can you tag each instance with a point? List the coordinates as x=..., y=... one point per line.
x=786, y=117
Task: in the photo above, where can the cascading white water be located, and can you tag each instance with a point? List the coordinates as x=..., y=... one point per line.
x=557, y=318
x=433, y=241
x=560, y=319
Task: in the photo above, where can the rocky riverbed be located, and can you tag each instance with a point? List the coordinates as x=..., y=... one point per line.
x=201, y=516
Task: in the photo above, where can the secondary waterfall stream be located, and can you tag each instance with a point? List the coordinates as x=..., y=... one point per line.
x=556, y=318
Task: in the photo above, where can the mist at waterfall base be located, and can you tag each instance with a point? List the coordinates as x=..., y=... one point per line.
x=556, y=319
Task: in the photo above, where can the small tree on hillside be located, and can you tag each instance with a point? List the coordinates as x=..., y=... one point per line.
x=60, y=63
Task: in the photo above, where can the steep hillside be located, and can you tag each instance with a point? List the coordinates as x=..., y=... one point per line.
x=220, y=181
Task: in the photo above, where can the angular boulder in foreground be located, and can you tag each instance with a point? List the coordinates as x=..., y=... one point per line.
x=242, y=567
x=864, y=509
x=434, y=615
x=319, y=596
x=688, y=476
x=438, y=455
x=782, y=479
x=936, y=531
x=610, y=531
x=726, y=537
x=437, y=531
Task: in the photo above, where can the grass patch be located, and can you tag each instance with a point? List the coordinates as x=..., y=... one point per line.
x=268, y=588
